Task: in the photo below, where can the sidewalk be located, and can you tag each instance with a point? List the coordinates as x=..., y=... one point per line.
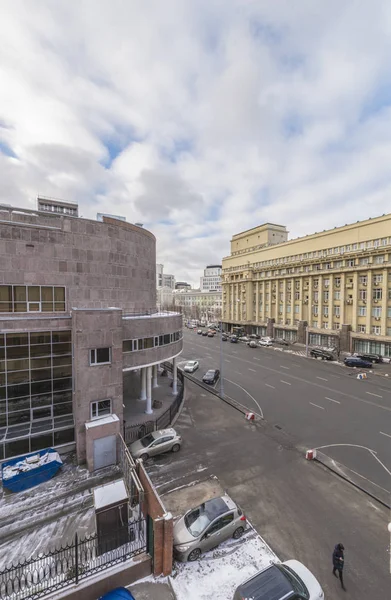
x=152, y=590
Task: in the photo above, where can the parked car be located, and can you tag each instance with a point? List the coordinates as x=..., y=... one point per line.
x=211, y=334
x=224, y=338
x=254, y=336
x=323, y=354
x=281, y=341
x=206, y=526
x=204, y=333
x=244, y=338
x=119, y=593
x=252, y=344
x=287, y=580
x=157, y=442
x=355, y=361
x=199, y=331
x=211, y=376
x=233, y=339
x=373, y=358
x=191, y=366
x=265, y=341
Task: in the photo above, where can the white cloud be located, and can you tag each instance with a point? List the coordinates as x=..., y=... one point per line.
x=199, y=119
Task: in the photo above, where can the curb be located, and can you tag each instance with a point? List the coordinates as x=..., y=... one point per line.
x=327, y=463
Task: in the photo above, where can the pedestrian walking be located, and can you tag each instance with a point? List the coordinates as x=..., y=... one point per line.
x=338, y=562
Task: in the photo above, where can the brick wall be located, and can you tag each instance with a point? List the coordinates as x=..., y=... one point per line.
x=162, y=525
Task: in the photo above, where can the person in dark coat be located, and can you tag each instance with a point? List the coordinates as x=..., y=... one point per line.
x=338, y=562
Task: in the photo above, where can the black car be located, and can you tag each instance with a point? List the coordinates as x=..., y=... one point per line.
x=323, y=354
x=211, y=376
x=355, y=361
x=234, y=339
x=224, y=338
x=373, y=358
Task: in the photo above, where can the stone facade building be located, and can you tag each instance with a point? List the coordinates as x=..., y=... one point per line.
x=331, y=288
x=77, y=310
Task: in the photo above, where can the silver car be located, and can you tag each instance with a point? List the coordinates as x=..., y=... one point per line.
x=154, y=443
x=191, y=366
x=206, y=526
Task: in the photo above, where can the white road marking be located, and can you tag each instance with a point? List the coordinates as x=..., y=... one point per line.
x=253, y=370
x=322, y=378
x=268, y=385
x=248, y=394
x=317, y=405
x=238, y=372
x=387, y=434
x=226, y=360
x=255, y=358
x=332, y=400
x=282, y=367
x=286, y=382
x=377, y=395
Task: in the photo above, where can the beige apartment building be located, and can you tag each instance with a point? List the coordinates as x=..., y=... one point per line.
x=332, y=288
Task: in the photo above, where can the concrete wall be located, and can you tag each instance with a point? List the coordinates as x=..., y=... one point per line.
x=95, y=329
x=101, y=264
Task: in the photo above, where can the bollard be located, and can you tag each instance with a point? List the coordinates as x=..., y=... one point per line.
x=250, y=416
x=310, y=454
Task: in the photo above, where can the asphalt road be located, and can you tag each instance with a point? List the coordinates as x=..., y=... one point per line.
x=300, y=508
x=316, y=402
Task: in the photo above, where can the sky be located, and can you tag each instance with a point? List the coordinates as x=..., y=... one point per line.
x=198, y=118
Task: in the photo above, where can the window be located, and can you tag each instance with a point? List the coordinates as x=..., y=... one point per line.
x=328, y=265
x=297, y=295
x=364, y=261
x=389, y=313
x=354, y=246
x=350, y=263
x=325, y=296
x=361, y=328
x=31, y=298
x=376, y=312
x=363, y=279
x=315, y=310
x=337, y=295
x=337, y=311
x=296, y=309
x=376, y=329
x=325, y=325
x=363, y=294
x=337, y=281
x=316, y=296
x=377, y=293
x=100, y=408
x=378, y=279
x=326, y=282
x=100, y=356
x=325, y=311
x=288, y=308
x=315, y=324
x=376, y=243
x=338, y=264
x=362, y=311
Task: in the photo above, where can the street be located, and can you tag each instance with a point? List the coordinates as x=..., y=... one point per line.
x=316, y=402
x=300, y=508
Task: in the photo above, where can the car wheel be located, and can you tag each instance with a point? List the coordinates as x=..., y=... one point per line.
x=144, y=457
x=175, y=448
x=194, y=555
x=238, y=533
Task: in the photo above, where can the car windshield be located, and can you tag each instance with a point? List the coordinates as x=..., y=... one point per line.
x=198, y=519
x=191, y=363
x=294, y=580
x=148, y=439
x=210, y=373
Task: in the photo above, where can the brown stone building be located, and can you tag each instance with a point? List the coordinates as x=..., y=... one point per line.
x=77, y=310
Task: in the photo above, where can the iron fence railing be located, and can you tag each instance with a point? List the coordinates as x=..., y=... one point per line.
x=54, y=570
x=138, y=430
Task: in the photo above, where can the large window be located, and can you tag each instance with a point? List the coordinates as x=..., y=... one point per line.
x=100, y=356
x=100, y=408
x=150, y=342
x=31, y=298
x=35, y=391
x=382, y=348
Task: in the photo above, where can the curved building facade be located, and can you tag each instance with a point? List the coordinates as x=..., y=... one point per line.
x=77, y=309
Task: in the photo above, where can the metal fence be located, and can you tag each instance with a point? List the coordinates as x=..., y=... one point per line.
x=136, y=431
x=45, y=573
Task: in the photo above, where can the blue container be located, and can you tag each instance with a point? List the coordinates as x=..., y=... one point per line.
x=23, y=480
x=120, y=593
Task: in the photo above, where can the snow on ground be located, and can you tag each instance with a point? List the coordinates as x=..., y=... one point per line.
x=219, y=572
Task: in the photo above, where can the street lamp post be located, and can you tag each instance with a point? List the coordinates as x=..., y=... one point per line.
x=221, y=360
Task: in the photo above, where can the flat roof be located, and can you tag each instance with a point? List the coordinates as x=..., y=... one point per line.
x=109, y=494
x=247, y=231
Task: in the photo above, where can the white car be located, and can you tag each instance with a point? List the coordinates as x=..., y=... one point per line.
x=280, y=581
x=191, y=366
x=265, y=341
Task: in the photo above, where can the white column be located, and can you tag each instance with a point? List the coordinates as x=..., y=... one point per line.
x=149, y=410
x=154, y=375
x=175, y=377
x=143, y=392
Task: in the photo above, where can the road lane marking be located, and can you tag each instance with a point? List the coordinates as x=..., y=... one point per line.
x=268, y=385
x=226, y=360
x=237, y=372
x=387, y=434
x=248, y=394
x=332, y=400
x=286, y=382
x=371, y=394
x=255, y=358
x=322, y=378
x=253, y=370
x=317, y=405
x=282, y=367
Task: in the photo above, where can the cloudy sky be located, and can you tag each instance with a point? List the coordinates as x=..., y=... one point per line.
x=198, y=118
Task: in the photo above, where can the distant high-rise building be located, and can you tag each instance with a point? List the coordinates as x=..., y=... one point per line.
x=164, y=279
x=211, y=280
x=54, y=205
x=182, y=285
